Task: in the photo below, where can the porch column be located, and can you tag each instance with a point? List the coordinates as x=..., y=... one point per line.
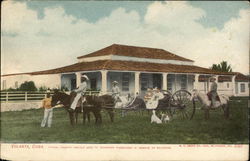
x=104, y=81
x=164, y=81
x=78, y=79
x=196, y=81
x=137, y=83
x=234, y=85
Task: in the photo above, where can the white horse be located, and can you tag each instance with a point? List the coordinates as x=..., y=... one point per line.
x=204, y=100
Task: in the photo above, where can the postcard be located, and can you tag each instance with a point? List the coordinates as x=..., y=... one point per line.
x=125, y=80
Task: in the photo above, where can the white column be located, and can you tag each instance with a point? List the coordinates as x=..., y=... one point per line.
x=78, y=79
x=164, y=81
x=196, y=81
x=137, y=82
x=104, y=81
x=233, y=85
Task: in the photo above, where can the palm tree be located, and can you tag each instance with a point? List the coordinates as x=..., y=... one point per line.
x=222, y=67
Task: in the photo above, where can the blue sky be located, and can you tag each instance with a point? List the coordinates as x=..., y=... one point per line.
x=56, y=32
x=218, y=12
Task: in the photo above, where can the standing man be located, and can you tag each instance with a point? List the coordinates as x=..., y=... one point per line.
x=79, y=92
x=48, y=111
x=115, y=91
x=213, y=91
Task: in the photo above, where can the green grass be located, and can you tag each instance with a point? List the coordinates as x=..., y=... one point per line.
x=24, y=126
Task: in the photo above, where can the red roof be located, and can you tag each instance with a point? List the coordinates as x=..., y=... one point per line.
x=241, y=77
x=135, y=51
x=128, y=66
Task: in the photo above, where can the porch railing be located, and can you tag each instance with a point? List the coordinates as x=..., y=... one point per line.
x=11, y=96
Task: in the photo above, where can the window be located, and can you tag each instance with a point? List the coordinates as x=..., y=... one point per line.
x=16, y=84
x=227, y=85
x=125, y=81
x=93, y=84
x=242, y=88
x=144, y=82
x=170, y=82
x=183, y=82
x=4, y=84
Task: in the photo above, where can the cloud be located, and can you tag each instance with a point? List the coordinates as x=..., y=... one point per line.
x=31, y=44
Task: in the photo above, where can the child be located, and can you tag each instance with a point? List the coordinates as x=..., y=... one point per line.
x=48, y=111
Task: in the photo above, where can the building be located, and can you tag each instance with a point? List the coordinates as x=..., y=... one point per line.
x=135, y=69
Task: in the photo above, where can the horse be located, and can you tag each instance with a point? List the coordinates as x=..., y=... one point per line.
x=90, y=105
x=206, y=102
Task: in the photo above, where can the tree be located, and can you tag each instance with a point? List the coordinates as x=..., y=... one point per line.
x=28, y=86
x=222, y=67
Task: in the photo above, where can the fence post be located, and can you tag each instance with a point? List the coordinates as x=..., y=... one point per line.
x=26, y=97
x=7, y=95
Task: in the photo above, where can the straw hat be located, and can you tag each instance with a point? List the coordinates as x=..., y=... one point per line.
x=86, y=77
x=115, y=82
x=212, y=78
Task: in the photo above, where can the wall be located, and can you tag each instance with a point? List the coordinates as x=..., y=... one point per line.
x=50, y=80
x=19, y=106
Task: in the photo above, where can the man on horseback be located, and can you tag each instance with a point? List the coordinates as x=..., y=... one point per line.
x=213, y=91
x=115, y=91
x=79, y=92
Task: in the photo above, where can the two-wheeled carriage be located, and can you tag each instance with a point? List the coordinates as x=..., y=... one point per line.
x=178, y=105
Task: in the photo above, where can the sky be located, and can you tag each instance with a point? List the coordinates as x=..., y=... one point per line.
x=41, y=35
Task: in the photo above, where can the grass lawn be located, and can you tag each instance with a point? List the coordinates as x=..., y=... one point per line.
x=24, y=126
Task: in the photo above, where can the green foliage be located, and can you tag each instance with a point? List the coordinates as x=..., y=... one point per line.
x=27, y=86
x=222, y=67
x=24, y=126
x=43, y=88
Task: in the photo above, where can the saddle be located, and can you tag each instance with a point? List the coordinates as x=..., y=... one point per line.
x=209, y=95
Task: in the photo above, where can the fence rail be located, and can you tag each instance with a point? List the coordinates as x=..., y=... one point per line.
x=30, y=95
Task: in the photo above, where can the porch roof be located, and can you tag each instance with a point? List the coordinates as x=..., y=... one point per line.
x=128, y=66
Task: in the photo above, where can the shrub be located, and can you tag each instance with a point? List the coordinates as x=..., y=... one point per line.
x=28, y=86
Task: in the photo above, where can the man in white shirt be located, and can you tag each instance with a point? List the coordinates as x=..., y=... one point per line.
x=79, y=91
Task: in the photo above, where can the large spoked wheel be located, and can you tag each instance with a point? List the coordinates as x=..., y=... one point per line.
x=181, y=105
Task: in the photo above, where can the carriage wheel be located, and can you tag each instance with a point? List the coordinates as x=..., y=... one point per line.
x=181, y=105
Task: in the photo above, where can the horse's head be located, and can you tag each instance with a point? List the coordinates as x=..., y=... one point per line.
x=194, y=94
x=58, y=97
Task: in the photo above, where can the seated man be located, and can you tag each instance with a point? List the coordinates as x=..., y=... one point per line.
x=79, y=92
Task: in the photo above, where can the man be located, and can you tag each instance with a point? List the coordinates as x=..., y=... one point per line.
x=213, y=91
x=48, y=111
x=115, y=91
x=79, y=92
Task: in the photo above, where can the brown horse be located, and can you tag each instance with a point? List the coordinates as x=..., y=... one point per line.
x=92, y=104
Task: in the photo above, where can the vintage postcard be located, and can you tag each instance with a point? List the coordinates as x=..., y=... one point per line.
x=125, y=80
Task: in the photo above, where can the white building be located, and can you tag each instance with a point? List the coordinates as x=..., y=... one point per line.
x=135, y=69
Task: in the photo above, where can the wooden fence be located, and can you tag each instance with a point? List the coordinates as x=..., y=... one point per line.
x=29, y=95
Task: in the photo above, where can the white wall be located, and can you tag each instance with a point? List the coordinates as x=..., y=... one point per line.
x=50, y=80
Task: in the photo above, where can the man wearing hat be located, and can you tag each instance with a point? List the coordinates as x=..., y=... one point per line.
x=115, y=91
x=80, y=91
x=213, y=91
